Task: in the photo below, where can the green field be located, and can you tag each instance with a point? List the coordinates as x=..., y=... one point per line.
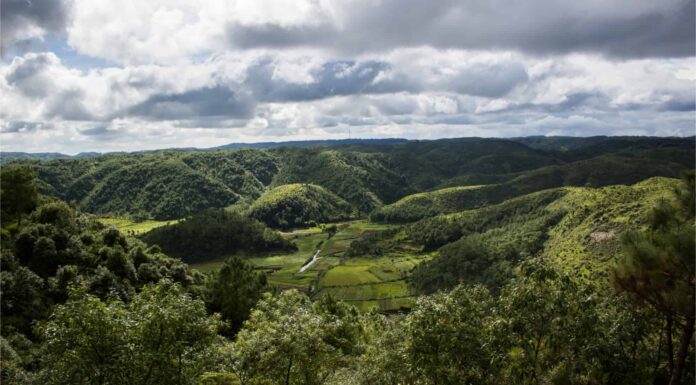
x=366, y=283
x=130, y=227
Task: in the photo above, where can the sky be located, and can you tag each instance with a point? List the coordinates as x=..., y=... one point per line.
x=105, y=75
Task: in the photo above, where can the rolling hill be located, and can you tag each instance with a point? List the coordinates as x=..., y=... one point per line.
x=171, y=184
x=574, y=228
x=600, y=171
x=294, y=205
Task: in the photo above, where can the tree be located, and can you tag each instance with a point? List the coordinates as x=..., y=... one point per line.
x=287, y=340
x=162, y=337
x=658, y=270
x=18, y=192
x=447, y=337
x=233, y=291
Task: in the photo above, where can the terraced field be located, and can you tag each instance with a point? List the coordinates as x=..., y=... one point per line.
x=365, y=282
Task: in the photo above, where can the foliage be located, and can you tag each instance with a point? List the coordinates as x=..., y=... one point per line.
x=658, y=269
x=290, y=340
x=215, y=233
x=295, y=205
x=578, y=229
x=18, y=192
x=372, y=244
x=233, y=290
x=59, y=247
x=161, y=336
x=175, y=184
x=447, y=337
x=596, y=172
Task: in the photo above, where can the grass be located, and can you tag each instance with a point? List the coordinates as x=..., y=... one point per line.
x=367, y=283
x=348, y=275
x=131, y=227
x=370, y=291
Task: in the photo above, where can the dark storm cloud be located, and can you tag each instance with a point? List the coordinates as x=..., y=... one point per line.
x=625, y=29
x=18, y=16
x=333, y=78
x=344, y=78
x=204, y=102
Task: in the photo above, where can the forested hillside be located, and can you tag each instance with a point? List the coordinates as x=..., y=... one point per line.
x=213, y=233
x=368, y=175
x=294, y=205
x=503, y=289
x=576, y=229
x=601, y=171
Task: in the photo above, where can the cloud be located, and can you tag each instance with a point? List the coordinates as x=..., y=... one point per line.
x=164, y=32
x=24, y=20
x=217, y=101
x=19, y=126
x=492, y=81
x=331, y=78
x=262, y=95
x=29, y=75
x=625, y=28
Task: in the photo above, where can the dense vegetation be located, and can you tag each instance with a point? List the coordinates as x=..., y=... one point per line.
x=574, y=227
x=596, y=172
x=55, y=248
x=215, y=233
x=366, y=174
x=295, y=205
x=551, y=285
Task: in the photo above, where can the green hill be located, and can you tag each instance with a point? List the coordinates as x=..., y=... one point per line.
x=596, y=172
x=365, y=180
x=172, y=184
x=294, y=205
x=576, y=228
x=214, y=233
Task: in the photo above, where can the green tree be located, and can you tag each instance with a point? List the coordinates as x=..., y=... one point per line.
x=447, y=337
x=18, y=192
x=658, y=270
x=233, y=290
x=162, y=337
x=287, y=341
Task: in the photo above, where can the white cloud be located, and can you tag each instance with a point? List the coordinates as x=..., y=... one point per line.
x=163, y=103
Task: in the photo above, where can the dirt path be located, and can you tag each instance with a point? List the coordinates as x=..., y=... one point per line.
x=310, y=263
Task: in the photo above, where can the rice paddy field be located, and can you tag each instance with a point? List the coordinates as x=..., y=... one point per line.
x=365, y=282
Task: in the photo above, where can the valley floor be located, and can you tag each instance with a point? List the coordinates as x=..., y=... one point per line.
x=365, y=282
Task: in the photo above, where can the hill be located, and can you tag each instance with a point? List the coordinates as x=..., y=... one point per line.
x=214, y=234
x=600, y=171
x=574, y=228
x=171, y=184
x=294, y=205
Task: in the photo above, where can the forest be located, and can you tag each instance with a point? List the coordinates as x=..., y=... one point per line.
x=459, y=261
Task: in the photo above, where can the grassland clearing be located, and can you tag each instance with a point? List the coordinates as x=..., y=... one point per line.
x=130, y=226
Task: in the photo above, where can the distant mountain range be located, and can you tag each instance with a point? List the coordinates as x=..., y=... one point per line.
x=6, y=156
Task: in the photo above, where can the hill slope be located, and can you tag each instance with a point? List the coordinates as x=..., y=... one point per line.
x=298, y=204
x=576, y=228
x=215, y=233
x=171, y=184
x=596, y=172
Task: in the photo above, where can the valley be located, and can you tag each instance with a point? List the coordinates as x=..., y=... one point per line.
x=367, y=283
x=404, y=244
